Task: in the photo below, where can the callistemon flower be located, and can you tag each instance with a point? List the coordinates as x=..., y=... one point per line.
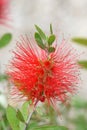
x=4, y=11
x=38, y=75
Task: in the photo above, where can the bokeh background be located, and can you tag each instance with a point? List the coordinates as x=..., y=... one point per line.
x=69, y=18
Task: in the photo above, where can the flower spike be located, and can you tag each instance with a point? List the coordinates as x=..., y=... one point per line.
x=37, y=75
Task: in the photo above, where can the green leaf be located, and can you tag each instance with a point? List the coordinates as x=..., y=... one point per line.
x=24, y=110
x=3, y=77
x=51, y=30
x=5, y=39
x=32, y=125
x=80, y=122
x=25, y=113
x=3, y=126
x=51, y=49
x=51, y=39
x=81, y=41
x=83, y=64
x=39, y=41
x=79, y=103
x=20, y=116
x=50, y=128
x=41, y=33
x=12, y=119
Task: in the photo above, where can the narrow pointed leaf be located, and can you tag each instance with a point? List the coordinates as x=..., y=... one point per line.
x=39, y=41
x=12, y=119
x=81, y=41
x=50, y=128
x=20, y=116
x=51, y=39
x=51, y=49
x=51, y=30
x=5, y=40
x=42, y=34
x=83, y=64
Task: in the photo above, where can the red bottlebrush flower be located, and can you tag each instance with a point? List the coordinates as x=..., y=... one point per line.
x=39, y=76
x=4, y=11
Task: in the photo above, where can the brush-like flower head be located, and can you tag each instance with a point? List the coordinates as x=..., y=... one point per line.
x=45, y=72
